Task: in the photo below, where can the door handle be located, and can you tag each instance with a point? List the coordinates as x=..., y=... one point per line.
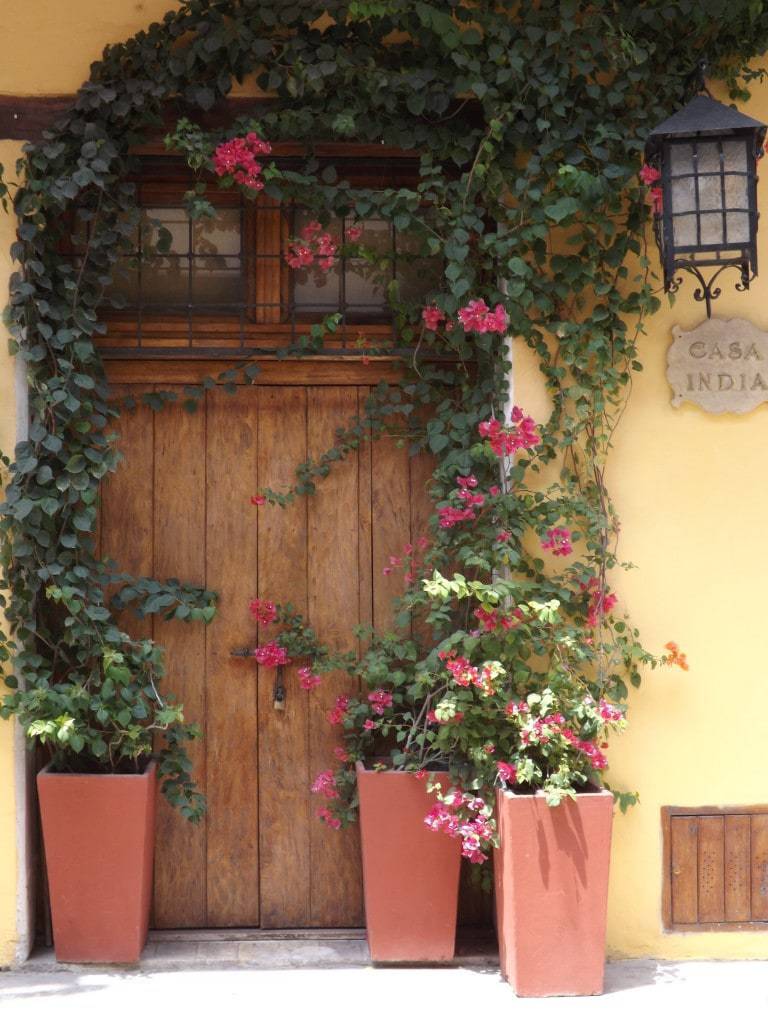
x=279, y=691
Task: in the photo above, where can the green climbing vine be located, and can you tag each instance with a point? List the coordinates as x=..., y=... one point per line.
x=528, y=121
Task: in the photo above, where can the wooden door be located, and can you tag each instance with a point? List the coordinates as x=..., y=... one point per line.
x=179, y=507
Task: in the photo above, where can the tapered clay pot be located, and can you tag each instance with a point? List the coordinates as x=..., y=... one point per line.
x=551, y=875
x=99, y=834
x=410, y=874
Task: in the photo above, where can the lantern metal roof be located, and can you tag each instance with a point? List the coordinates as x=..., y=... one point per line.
x=705, y=116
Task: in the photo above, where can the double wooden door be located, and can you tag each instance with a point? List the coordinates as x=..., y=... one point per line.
x=179, y=506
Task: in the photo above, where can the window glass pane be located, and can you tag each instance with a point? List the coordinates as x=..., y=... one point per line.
x=173, y=219
x=165, y=280
x=365, y=285
x=712, y=229
x=215, y=279
x=219, y=235
x=684, y=230
x=316, y=290
x=738, y=228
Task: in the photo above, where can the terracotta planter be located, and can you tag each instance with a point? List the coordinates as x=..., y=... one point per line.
x=99, y=835
x=410, y=875
x=551, y=874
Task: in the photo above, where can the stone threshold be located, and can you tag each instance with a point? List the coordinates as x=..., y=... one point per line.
x=254, y=949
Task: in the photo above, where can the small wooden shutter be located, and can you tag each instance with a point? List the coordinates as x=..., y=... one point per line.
x=715, y=868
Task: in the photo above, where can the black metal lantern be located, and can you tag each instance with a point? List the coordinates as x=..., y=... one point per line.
x=701, y=165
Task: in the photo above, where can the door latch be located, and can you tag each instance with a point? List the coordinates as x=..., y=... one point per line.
x=278, y=694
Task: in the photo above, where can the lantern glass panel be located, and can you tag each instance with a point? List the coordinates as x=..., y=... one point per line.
x=709, y=193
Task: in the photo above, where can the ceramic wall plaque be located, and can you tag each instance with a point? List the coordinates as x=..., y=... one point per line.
x=721, y=366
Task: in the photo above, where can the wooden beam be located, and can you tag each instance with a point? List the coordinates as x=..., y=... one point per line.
x=27, y=117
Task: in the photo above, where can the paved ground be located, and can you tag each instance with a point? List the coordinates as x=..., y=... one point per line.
x=236, y=981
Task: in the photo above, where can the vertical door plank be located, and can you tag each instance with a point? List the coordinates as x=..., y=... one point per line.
x=284, y=813
x=711, y=868
x=737, y=894
x=759, y=859
x=179, y=524
x=391, y=524
x=231, y=715
x=364, y=521
x=127, y=499
x=421, y=467
x=684, y=838
x=336, y=885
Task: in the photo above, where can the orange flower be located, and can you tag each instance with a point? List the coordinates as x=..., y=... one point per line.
x=676, y=656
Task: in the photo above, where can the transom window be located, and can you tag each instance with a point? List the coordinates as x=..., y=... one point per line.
x=224, y=282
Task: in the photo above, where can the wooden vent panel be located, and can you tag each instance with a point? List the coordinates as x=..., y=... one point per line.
x=715, y=868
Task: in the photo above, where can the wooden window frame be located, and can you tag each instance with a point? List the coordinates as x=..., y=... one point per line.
x=265, y=232
x=672, y=814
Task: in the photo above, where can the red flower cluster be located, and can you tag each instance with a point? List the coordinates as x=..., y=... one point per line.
x=476, y=316
x=507, y=772
x=263, y=611
x=542, y=731
x=339, y=709
x=307, y=680
x=465, y=674
x=325, y=784
x=508, y=440
x=450, y=516
x=601, y=600
x=380, y=700
x=649, y=176
x=434, y=720
x=313, y=244
x=238, y=157
x=473, y=831
x=433, y=316
x=495, y=620
x=409, y=558
x=326, y=814
x=270, y=655
x=608, y=712
x=558, y=541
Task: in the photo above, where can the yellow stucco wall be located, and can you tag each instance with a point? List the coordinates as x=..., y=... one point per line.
x=691, y=490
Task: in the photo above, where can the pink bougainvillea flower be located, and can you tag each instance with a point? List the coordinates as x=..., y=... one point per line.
x=601, y=600
x=312, y=245
x=476, y=316
x=657, y=198
x=507, y=772
x=503, y=536
x=325, y=784
x=271, y=655
x=369, y=724
x=432, y=316
x=648, y=175
x=258, y=499
x=353, y=233
x=505, y=441
x=325, y=814
x=380, y=700
x=237, y=157
x=307, y=679
x=466, y=481
x=450, y=516
x=264, y=612
x=558, y=541
x=339, y=709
